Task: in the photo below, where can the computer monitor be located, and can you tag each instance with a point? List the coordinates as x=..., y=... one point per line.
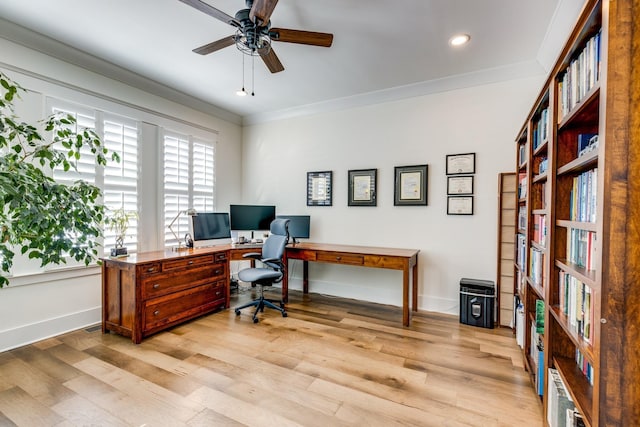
x=210, y=228
x=299, y=226
x=251, y=217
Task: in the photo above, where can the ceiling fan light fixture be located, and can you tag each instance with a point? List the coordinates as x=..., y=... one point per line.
x=459, y=39
x=241, y=92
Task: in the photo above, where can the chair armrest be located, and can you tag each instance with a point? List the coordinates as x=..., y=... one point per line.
x=252, y=255
x=274, y=260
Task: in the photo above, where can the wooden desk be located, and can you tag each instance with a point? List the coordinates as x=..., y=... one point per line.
x=148, y=292
x=363, y=256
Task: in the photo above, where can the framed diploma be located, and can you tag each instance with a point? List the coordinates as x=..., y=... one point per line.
x=319, y=188
x=461, y=164
x=460, y=205
x=362, y=187
x=460, y=185
x=411, y=185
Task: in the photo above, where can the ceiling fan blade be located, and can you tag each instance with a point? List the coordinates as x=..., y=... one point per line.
x=216, y=45
x=301, y=37
x=261, y=11
x=212, y=11
x=271, y=61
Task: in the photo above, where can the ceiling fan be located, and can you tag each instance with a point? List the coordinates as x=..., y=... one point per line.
x=254, y=33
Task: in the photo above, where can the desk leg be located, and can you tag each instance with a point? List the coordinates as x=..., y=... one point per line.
x=305, y=277
x=406, y=315
x=415, y=285
x=285, y=280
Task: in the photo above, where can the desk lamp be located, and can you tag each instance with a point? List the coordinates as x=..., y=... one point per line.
x=190, y=212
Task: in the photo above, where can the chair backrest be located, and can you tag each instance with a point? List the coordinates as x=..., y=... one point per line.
x=274, y=246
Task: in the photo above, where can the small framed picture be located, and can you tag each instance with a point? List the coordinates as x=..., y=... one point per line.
x=461, y=164
x=461, y=185
x=362, y=187
x=319, y=188
x=411, y=185
x=460, y=205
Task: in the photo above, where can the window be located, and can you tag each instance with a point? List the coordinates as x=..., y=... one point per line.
x=118, y=181
x=121, y=179
x=189, y=182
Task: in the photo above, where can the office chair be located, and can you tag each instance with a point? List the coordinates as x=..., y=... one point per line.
x=273, y=270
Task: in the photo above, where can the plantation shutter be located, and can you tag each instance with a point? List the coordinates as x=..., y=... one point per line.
x=188, y=179
x=121, y=179
x=86, y=165
x=118, y=181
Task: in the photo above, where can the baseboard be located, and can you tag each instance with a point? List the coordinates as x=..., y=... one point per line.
x=27, y=334
x=425, y=302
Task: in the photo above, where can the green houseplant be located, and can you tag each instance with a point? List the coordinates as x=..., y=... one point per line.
x=39, y=217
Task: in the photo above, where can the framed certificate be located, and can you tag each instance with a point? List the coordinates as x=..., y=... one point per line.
x=460, y=205
x=461, y=164
x=460, y=185
x=319, y=188
x=362, y=187
x=411, y=185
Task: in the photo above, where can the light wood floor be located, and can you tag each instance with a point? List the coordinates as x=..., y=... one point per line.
x=332, y=362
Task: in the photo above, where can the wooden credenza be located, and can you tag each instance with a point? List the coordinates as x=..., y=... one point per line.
x=147, y=292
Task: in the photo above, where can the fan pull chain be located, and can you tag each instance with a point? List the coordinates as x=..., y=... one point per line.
x=253, y=75
x=243, y=73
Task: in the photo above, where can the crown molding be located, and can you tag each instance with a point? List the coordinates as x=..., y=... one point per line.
x=445, y=84
x=50, y=47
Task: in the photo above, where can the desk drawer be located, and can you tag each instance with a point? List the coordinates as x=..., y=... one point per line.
x=340, y=258
x=162, y=311
x=301, y=254
x=162, y=284
x=149, y=268
x=187, y=262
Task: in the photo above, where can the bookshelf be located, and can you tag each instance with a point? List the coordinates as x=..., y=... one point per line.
x=577, y=239
x=507, y=188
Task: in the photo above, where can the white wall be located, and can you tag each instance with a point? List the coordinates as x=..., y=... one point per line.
x=422, y=130
x=36, y=306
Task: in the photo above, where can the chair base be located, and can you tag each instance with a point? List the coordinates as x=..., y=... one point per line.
x=260, y=304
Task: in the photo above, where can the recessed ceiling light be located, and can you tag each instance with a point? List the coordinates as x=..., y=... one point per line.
x=241, y=92
x=459, y=39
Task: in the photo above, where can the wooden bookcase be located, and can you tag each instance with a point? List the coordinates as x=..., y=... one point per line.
x=577, y=244
x=507, y=187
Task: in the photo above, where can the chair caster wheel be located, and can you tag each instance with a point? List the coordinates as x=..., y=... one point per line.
x=237, y=312
x=255, y=320
x=284, y=314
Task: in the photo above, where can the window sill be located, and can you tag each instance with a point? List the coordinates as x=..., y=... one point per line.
x=53, y=274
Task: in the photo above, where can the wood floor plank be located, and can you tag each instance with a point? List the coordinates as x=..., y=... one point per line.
x=24, y=410
x=38, y=384
x=239, y=410
x=332, y=362
x=81, y=412
x=156, y=399
x=133, y=409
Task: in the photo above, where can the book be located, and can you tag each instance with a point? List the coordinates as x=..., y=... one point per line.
x=559, y=400
x=586, y=143
x=540, y=316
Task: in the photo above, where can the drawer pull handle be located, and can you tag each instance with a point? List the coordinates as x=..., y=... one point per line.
x=217, y=272
x=156, y=285
x=151, y=269
x=155, y=313
x=338, y=258
x=218, y=293
x=190, y=262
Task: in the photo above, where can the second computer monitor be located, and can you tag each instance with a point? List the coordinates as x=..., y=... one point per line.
x=251, y=217
x=299, y=226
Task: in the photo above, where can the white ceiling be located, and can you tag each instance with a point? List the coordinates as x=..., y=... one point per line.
x=379, y=46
